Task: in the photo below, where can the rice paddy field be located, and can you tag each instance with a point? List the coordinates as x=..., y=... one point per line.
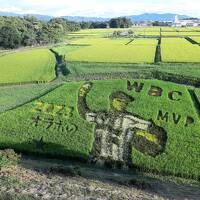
x=180, y=34
x=114, y=50
x=72, y=136
x=27, y=66
x=197, y=39
x=93, y=33
x=158, y=67
x=179, y=50
x=142, y=48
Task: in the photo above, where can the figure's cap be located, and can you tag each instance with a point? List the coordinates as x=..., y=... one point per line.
x=122, y=95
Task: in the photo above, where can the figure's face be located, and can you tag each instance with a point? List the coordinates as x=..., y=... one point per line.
x=119, y=104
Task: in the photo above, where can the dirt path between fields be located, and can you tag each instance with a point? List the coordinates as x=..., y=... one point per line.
x=56, y=179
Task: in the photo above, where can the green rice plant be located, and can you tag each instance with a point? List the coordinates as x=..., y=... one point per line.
x=94, y=33
x=103, y=69
x=197, y=39
x=29, y=129
x=60, y=140
x=181, y=34
x=115, y=50
x=179, y=50
x=197, y=92
x=64, y=49
x=27, y=66
x=174, y=33
x=147, y=29
x=100, y=41
x=14, y=96
x=168, y=29
x=189, y=34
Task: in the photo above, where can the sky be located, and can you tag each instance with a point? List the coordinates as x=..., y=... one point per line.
x=101, y=8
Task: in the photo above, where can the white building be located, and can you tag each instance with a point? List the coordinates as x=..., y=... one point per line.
x=185, y=22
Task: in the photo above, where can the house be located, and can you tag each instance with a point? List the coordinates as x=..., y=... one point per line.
x=186, y=22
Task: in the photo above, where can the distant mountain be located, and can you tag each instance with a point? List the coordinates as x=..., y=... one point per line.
x=86, y=19
x=9, y=14
x=134, y=18
x=47, y=18
x=40, y=17
x=156, y=17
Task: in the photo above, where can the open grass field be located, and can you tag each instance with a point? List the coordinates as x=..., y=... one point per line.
x=27, y=66
x=114, y=50
x=179, y=50
x=52, y=125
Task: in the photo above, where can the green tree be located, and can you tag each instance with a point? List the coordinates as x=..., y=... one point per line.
x=10, y=37
x=121, y=22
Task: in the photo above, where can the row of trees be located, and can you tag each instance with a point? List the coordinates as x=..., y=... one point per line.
x=29, y=31
x=121, y=22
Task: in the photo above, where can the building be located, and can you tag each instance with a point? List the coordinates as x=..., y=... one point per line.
x=186, y=22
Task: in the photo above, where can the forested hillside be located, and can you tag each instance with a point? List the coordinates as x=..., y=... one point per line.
x=29, y=31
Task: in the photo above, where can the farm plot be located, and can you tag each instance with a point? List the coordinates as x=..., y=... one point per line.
x=118, y=70
x=59, y=128
x=197, y=91
x=55, y=125
x=27, y=66
x=94, y=33
x=189, y=33
x=14, y=96
x=180, y=33
x=100, y=41
x=197, y=39
x=147, y=31
x=64, y=49
x=179, y=50
x=170, y=33
x=168, y=29
x=109, y=50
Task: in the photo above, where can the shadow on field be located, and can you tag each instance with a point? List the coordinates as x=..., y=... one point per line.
x=44, y=150
x=163, y=186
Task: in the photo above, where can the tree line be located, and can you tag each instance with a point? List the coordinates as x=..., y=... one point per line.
x=120, y=22
x=16, y=32
x=29, y=31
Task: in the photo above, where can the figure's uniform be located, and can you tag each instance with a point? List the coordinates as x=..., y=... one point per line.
x=113, y=135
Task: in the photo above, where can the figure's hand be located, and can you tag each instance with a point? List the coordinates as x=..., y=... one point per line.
x=85, y=88
x=151, y=141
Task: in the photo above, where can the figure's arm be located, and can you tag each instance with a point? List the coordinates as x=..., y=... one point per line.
x=145, y=135
x=83, y=108
x=132, y=122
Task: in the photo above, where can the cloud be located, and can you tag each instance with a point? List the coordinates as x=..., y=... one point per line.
x=101, y=8
x=14, y=9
